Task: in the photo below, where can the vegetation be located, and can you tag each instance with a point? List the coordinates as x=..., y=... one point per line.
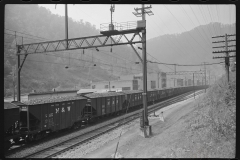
x=214, y=121
x=44, y=72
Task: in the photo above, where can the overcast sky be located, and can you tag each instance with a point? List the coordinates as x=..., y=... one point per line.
x=167, y=19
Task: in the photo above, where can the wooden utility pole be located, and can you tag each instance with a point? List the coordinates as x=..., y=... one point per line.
x=205, y=74
x=227, y=64
x=193, y=86
x=175, y=73
x=209, y=77
x=13, y=76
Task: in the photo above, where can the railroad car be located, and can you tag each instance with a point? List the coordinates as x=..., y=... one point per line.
x=11, y=123
x=32, y=120
x=41, y=116
x=106, y=103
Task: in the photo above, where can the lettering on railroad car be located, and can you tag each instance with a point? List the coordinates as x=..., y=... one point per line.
x=23, y=108
x=57, y=110
x=103, y=109
x=63, y=110
x=113, y=102
x=46, y=115
x=69, y=108
x=51, y=115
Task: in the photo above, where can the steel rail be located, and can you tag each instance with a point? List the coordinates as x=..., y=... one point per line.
x=69, y=144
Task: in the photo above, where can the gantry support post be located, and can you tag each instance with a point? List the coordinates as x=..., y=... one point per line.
x=19, y=67
x=18, y=77
x=66, y=25
x=147, y=129
x=146, y=123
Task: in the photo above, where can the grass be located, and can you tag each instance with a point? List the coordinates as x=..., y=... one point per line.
x=213, y=123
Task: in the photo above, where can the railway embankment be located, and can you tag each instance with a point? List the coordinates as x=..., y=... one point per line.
x=201, y=128
x=212, y=127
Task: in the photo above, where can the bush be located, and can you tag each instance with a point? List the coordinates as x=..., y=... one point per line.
x=222, y=112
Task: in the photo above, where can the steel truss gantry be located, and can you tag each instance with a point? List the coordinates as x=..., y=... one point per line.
x=108, y=38
x=80, y=43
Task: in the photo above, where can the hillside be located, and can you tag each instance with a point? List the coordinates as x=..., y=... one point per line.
x=43, y=72
x=191, y=47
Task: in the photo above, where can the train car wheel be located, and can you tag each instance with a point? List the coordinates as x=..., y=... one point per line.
x=38, y=136
x=29, y=138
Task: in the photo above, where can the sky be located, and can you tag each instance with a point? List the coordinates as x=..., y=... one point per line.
x=167, y=19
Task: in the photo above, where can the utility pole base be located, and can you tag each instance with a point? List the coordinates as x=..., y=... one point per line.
x=146, y=131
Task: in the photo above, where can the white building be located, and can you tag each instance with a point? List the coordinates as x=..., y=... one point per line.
x=117, y=85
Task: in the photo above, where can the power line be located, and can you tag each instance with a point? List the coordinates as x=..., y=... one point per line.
x=203, y=15
x=169, y=39
x=198, y=21
x=193, y=23
x=187, y=65
x=184, y=28
x=25, y=33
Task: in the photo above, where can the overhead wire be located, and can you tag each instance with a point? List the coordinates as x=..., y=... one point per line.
x=203, y=15
x=211, y=20
x=47, y=39
x=219, y=28
x=199, y=22
x=169, y=39
x=177, y=47
x=194, y=24
x=186, y=30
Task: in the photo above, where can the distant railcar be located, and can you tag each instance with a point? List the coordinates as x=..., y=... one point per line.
x=32, y=120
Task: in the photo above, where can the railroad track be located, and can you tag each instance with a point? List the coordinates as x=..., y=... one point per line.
x=72, y=143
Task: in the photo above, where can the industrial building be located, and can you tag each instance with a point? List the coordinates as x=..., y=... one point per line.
x=116, y=85
x=133, y=82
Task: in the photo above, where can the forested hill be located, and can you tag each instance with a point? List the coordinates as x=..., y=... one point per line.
x=191, y=47
x=43, y=72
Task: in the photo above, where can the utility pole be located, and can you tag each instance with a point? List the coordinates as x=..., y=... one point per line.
x=158, y=78
x=13, y=80
x=193, y=86
x=175, y=73
x=18, y=75
x=66, y=25
x=209, y=77
x=227, y=64
x=205, y=74
x=144, y=10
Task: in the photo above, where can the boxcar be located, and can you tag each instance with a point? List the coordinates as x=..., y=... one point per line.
x=11, y=117
x=52, y=114
x=130, y=97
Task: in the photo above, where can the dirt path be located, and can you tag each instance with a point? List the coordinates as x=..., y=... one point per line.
x=164, y=143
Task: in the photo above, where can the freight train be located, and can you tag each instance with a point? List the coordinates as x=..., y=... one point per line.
x=34, y=119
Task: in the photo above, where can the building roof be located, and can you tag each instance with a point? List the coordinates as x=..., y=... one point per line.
x=81, y=91
x=111, y=81
x=52, y=92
